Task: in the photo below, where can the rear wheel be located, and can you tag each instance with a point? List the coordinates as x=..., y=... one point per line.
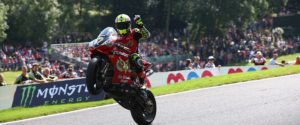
x=146, y=115
x=93, y=76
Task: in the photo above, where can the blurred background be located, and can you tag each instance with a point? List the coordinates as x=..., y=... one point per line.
x=54, y=32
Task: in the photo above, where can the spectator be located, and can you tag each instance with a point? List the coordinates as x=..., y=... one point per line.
x=48, y=77
x=81, y=73
x=69, y=73
x=35, y=75
x=283, y=63
x=57, y=73
x=23, y=78
x=2, y=82
x=46, y=64
x=273, y=60
x=188, y=65
x=259, y=59
x=210, y=63
x=197, y=62
x=297, y=61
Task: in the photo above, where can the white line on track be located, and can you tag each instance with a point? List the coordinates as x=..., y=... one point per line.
x=162, y=96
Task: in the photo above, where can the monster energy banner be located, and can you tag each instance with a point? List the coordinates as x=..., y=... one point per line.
x=61, y=92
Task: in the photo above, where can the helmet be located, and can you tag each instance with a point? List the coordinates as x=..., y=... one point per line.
x=211, y=58
x=123, y=24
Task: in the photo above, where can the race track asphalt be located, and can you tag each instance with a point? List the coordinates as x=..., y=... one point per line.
x=273, y=101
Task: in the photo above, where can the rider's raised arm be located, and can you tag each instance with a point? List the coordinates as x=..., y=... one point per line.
x=145, y=32
x=141, y=32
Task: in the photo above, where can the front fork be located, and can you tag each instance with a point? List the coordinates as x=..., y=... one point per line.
x=101, y=72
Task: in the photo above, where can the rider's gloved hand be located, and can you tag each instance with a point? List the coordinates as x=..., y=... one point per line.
x=138, y=21
x=136, y=62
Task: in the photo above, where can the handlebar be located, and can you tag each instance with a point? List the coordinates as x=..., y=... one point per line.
x=120, y=53
x=124, y=48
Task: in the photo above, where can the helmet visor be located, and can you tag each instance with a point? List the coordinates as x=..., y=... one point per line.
x=123, y=32
x=123, y=25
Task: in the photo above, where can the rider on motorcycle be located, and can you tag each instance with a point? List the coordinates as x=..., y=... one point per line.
x=127, y=35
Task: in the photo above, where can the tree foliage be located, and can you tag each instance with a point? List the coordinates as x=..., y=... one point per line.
x=3, y=24
x=210, y=17
x=32, y=20
x=40, y=20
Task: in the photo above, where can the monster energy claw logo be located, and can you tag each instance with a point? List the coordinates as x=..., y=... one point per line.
x=27, y=95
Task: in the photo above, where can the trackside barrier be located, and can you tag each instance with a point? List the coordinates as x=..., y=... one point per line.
x=163, y=78
x=7, y=96
x=73, y=91
x=60, y=92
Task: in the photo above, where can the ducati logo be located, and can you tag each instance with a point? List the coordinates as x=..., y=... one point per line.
x=122, y=65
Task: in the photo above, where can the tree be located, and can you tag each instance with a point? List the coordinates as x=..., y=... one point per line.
x=39, y=20
x=3, y=24
x=32, y=20
x=83, y=16
x=211, y=17
x=277, y=5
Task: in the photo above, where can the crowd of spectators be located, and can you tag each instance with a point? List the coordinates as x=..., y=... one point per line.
x=44, y=74
x=236, y=46
x=74, y=37
x=78, y=51
x=158, y=44
x=35, y=65
x=13, y=57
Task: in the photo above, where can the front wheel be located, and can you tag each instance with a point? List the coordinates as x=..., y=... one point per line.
x=122, y=103
x=146, y=115
x=94, y=85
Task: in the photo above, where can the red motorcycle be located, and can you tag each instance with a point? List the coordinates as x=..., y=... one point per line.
x=109, y=70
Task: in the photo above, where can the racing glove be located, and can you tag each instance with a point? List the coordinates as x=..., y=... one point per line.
x=138, y=21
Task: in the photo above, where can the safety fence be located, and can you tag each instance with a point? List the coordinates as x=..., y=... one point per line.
x=57, y=53
x=73, y=91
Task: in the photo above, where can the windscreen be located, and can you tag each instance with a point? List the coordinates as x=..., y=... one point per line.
x=104, y=37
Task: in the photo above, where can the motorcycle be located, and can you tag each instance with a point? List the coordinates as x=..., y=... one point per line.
x=109, y=70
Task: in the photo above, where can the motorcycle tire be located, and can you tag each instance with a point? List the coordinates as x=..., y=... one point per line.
x=145, y=116
x=93, y=87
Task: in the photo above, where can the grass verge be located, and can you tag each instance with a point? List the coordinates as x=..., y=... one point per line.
x=10, y=76
x=22, y=113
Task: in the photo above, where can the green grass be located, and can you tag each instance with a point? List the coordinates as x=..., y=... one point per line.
x=287, y=58
x=22, y=113
x=10, y=76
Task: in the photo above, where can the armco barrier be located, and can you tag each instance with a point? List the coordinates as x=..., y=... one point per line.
x=6, y=96
x=164, y=78
x=60, y=92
